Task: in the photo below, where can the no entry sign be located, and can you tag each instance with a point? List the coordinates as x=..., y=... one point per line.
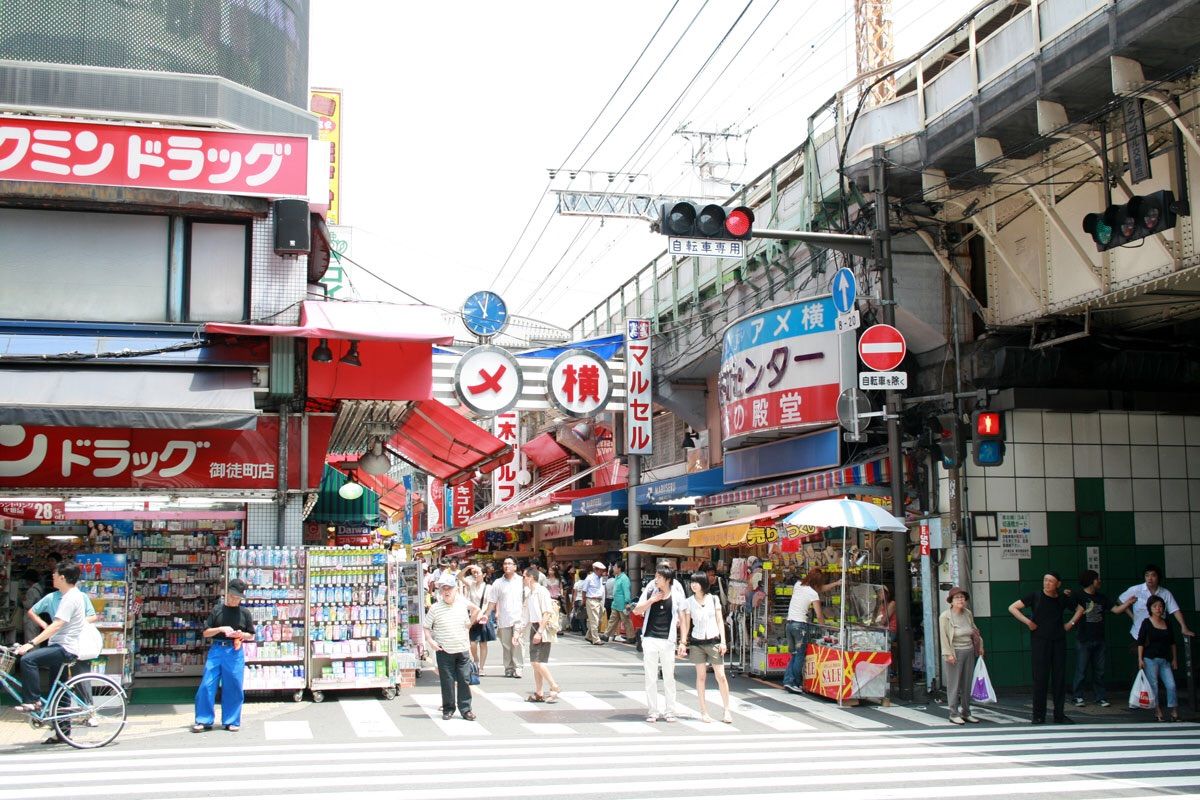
x=882, y=348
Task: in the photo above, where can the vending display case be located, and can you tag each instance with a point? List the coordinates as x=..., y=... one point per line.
x=104, y=579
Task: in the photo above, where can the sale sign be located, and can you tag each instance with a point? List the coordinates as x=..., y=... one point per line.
x=45, y=510
x=153, y=157
x=843, y=675
x=34, y=457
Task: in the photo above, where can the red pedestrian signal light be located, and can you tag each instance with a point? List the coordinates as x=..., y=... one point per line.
x=987, y=438
x=687, y=220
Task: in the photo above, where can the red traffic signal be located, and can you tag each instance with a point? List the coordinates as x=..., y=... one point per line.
x=687, y=220
x=987, y=423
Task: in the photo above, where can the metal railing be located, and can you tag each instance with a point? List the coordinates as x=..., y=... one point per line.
x=993, y=40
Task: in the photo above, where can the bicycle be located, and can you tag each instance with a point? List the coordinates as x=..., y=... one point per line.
x=86, y=711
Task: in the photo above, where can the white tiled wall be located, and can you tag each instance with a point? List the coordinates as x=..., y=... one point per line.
x=1150, y=464
x=277, y=283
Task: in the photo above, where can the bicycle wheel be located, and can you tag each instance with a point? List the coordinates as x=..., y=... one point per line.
x=89, y=711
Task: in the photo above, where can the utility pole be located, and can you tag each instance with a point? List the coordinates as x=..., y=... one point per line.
x=635, y=520
x=902, y=591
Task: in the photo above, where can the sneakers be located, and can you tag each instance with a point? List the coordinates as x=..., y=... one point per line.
x=972, y=720
x=469, y=716
x=1104, y=704
x=620, y=639
x=447, y=714
x=1079, y=701
x=956, y=719
x=793, y=689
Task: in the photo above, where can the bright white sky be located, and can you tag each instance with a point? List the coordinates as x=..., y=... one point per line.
x=453, y=112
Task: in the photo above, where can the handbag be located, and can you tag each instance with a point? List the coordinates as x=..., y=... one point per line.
x=981, y=684
x=473, y=674
x=1142, y=693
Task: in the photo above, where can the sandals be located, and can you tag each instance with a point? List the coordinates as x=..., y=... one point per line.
x=705, y=718
x=199, y=728
x=728, y=718
x=553, y=696
x=652, y=718
x=233, y=728
x=535, y=698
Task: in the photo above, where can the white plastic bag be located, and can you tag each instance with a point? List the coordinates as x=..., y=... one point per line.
x=1142, y=693
x=981, y=684
x=91, y=642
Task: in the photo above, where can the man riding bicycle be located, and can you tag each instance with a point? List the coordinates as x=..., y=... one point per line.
x=63, y=634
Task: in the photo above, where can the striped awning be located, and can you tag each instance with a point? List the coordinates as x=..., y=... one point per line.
x=875, y=472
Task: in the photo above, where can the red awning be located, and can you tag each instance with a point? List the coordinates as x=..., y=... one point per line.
x=436, y=439
x=365, y=321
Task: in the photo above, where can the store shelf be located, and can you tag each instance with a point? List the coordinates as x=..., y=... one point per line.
x=293, y=660
x=185, y=671
x=116, y=652
x=382, y=682
x=299, y=683
x=351, y=657
x=107, y=626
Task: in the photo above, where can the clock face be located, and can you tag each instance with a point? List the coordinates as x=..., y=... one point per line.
x=484, y=313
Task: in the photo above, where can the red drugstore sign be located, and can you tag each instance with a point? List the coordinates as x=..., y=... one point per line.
x=153, y=157
x=140, y=458
x=639, y=401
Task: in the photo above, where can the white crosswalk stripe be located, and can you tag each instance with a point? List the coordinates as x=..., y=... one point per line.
x=824, y=710
x=368, y=719
x=687, y=716
x=431, y=704
x=761, y=715
x=1085, y=760
x=930, y=719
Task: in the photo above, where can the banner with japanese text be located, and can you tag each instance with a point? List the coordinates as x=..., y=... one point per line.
x=435, y=512
x=33, y=457
x=782, y=369
x=639, y=400
x=462, y=504
x=153, y=157
x=507, y=428
x=327, y=105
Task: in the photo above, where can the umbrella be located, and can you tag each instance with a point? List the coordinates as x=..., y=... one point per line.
x=846, y=514
x=655, y=550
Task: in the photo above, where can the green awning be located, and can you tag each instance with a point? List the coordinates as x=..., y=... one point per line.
x=331, y=507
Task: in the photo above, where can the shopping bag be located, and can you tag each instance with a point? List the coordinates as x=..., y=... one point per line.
x=473, y=674
x=981, y=684
x=91, y=642
x=1142, y=693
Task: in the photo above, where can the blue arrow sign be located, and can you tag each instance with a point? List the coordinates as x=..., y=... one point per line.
x=844, y=289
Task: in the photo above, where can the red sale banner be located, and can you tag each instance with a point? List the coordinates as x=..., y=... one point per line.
x=151, y=157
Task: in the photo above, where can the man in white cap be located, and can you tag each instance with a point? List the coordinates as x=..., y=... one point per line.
x=593, y=600
x=446, y=633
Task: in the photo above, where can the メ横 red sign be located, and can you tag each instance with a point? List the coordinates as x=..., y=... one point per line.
x=152, y=157
x=133, y=458
x=882, y=347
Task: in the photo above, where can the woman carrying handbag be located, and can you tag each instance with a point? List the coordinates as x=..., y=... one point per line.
x=960, y=643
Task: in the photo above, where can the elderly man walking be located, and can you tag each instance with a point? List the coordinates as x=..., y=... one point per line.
x=593, y=600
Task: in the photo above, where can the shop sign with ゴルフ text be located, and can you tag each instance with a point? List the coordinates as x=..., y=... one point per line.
x=151, y=157
x=639, y=401
x=781, y=369
x=463, y=504
x=505, y=484
x=142, y=458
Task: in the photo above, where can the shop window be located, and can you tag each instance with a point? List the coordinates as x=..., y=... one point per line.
x=73, y=265
x=218, y=258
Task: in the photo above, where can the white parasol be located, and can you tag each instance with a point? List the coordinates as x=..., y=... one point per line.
x=846, y=514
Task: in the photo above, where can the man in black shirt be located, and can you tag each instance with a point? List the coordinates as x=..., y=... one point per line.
x=1049, y=643
x=1091, y=637
x=228, y=626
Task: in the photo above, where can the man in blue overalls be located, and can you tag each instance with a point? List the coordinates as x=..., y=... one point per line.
x=228, y=626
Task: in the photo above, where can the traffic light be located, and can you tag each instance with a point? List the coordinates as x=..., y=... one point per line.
x=948, y=438
x=987, y=438
x=1142, y=216
x=687, y=220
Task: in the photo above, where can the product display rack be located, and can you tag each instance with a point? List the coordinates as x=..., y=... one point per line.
x=111, y=601
x=179, y=578
x=10, y=603
x=351, y=620
x=407, y=578
x=275, y=596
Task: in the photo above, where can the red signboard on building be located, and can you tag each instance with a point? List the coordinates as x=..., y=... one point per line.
x=463, y=496
x=135, y=458
x=42, y=510
x=153, y=157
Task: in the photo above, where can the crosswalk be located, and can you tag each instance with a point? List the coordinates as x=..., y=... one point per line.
x=1129, y=760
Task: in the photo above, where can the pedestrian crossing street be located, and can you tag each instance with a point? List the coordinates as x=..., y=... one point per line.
x=1128, y=761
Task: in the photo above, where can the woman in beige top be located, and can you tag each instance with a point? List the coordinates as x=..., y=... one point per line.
x=956, y=627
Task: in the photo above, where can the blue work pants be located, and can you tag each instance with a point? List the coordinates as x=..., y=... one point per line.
x=799, y=634
x=224, y=667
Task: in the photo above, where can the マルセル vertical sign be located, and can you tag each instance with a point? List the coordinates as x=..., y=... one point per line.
x=639, y=400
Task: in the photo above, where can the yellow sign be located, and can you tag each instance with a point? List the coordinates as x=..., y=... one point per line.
x=327, y=105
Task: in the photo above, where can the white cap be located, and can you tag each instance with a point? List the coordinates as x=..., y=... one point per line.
x=598, y=565
x=446, y=579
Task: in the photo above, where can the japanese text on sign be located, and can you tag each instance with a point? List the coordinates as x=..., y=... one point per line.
x=780, y=369
x=504, y=480
x=579, y=383
x=639, y=426
x=883, y=380
x=435, y=514
x=1013, y=529
x=715, y=248
x=192, y=159
x=463, y=499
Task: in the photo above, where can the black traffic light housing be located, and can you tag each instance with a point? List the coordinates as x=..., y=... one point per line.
x=947, y=437
x=688, y=220
x=1142, y=216
x=987, y=438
